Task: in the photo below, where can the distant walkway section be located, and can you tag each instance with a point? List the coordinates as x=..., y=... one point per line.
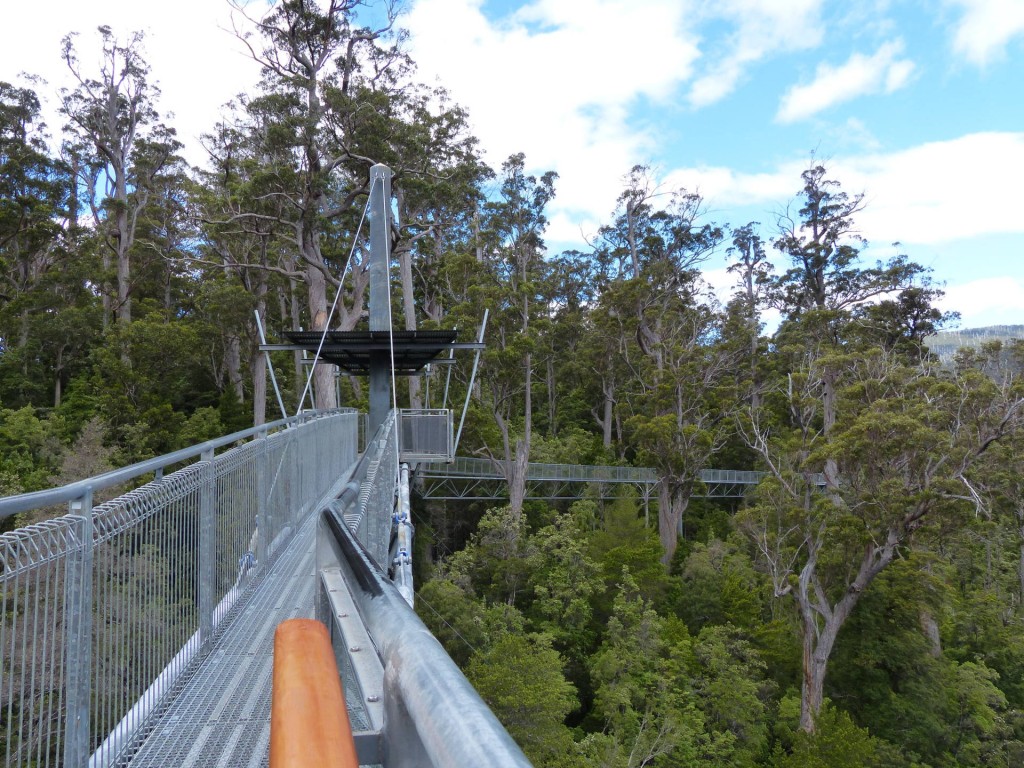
x=481, y=479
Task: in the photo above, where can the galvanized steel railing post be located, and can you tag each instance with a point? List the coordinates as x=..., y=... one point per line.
x=262, y=503
x=207, y=548
x=78, y=636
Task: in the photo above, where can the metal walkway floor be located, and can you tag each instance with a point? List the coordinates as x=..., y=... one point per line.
x=221, y=717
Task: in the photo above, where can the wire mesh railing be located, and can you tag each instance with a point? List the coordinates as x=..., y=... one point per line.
x=425, y=435
x=106, y=609
x=368, y=502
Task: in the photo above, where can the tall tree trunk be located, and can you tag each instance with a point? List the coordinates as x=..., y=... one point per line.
x=673, y=499
x=258, y=364
x=257, y=359
x=404, y=253
x=517, y=477
x=58, y=371
x=608, y=387
x=123, y=239
x=233, y=365
x=829, y=406
x=815, y=665
x=1020, y=561
x=296, y=315
x=107, y=289
x=821, y=622
x=520, y=463
x=323, y=376
x=552, y=399
x=666, y=533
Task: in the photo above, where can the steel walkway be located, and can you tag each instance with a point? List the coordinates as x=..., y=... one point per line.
x=221, y=715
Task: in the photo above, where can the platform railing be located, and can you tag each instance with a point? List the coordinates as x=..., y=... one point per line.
x=107, y=608
x=425, y=435
x=369, y=498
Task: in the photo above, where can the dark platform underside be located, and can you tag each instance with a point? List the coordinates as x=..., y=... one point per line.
x=352, y=351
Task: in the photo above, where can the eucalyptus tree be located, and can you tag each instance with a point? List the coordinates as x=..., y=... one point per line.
x=903, y=445
x=753, y=274
x=665, y=342
x=123, y=149
x=863, y=443
x=619, y=245
x=826, y=278
x=249, y=258
x=336, y=98
x=34, y=192
x=512, y=230
x=680, y=401
x=305, y=51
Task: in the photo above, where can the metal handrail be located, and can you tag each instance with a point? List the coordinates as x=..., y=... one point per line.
x=471, y=467
x=26, y=502
x=434, y=716
x=106, y=609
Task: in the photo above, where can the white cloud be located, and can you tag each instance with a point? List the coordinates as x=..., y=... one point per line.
x=726, y=188
x=986, y=28
x=556, y=81
x=936, y=192
x=991, y=301
x=197, y=63
x=762, y=28
x=882, y=72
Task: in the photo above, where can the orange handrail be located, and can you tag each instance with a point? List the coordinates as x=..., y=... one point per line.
x=309, y=723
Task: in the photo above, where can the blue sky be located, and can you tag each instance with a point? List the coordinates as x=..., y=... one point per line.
x=920, y=105
x=917, y=103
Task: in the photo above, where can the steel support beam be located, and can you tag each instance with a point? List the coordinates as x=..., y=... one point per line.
x=380, y=296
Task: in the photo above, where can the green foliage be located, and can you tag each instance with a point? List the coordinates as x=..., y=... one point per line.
x=565, y=583
x=463, y=624
x=641, y=691
x=520, y=677
x=836, y=743
x=145, y=381
x=498, y=560
x=30, y=450
x=623, y=541
x=733, y=693
x=719, y=586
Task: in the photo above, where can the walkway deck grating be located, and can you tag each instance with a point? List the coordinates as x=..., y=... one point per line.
x=221, y=717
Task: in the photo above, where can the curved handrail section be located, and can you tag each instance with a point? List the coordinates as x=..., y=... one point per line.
x=434, y=716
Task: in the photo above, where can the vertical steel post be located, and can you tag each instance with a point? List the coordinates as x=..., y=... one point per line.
x=380, y=310
x=270, y=365
x=207, y=548
x=78, y=636
x=263, y=471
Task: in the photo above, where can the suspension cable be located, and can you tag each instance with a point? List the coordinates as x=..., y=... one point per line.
x=337, y=297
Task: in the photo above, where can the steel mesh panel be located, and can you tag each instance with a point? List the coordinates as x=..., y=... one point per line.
x=221, y=717
x=33, y=572
x=101, y=611
x=371, y=518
